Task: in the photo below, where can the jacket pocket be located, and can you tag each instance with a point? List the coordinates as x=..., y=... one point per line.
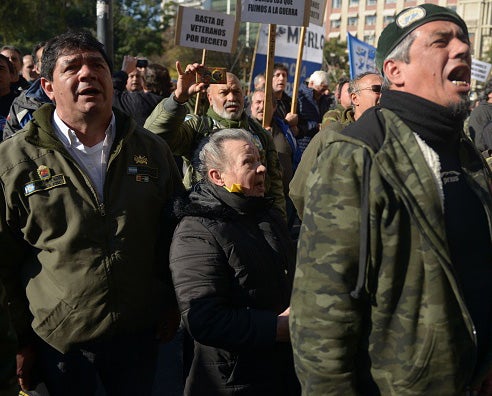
x=48, y=326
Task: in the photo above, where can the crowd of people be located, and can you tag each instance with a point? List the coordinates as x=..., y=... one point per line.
x=341, y=245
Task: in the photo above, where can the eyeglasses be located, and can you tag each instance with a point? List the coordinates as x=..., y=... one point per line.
x=374, y=88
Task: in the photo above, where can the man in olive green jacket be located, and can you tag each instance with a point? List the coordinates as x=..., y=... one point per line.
x=84, y=232
x=393, y=287
x=365, y=91
x=185, y=132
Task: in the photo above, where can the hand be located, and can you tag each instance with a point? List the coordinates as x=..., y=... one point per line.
x=25, y=362
x=186, y=85
x=295, y=130
x=291, y=119
x=129, y=64
x=283, y=333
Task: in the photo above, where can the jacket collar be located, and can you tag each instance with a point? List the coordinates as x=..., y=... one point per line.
x=402, y=164
x=41, y=132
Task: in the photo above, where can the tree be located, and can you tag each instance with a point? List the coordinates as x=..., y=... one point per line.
x=336, y=58
x=487, y=55
x=138, y=28
x=26, y=22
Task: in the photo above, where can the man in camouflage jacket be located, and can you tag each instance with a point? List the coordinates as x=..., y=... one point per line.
x=392, y=292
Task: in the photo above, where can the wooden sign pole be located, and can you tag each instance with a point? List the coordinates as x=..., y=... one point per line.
x=267, y=111
x=198, y=95
x=297, y=76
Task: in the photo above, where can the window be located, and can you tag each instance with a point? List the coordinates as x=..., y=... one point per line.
x=370, y=20
x=369, y=38
x=335, y=24
x=371, y=2
x=388, y=19
x=389, y=1
x=353, y=21
x=336, y=3
x=353, y=3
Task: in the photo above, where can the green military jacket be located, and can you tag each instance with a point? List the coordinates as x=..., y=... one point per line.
x=410, y=329
x=76, y=268
x=297, y=185
x=183, y=132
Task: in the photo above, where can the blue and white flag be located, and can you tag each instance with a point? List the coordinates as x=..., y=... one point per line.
x=362, y=56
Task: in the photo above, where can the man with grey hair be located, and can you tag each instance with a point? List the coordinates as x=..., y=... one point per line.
x=183, y=132
x=314, y=102
x=259, y=82
x=365, y=92
x=393, y=286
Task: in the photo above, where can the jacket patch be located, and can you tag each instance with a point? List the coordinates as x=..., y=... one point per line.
x=143, y=173
x=46, y=183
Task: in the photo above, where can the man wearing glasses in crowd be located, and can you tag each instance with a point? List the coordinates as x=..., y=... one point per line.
x=365, y=92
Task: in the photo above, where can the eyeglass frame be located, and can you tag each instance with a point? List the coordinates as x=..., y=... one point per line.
x=376, y=88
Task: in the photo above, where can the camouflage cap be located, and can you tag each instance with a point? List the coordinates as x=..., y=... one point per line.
x=407, y=21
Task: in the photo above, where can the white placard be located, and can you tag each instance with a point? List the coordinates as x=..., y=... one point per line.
x=285, y=12
x=480, y=70
x=287, y=42
x=204, y=29
x=317, y=14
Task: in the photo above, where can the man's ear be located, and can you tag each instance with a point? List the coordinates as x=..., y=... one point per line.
x=48, y=88
x=392, y=71
x=209, y=96
x=215, y=176
x=354, y=98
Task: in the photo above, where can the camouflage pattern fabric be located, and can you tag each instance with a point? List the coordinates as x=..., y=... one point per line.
x=309, y=156
x=412, y=322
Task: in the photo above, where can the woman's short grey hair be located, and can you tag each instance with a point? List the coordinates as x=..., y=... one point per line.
x=212, y=155
x=400, y=53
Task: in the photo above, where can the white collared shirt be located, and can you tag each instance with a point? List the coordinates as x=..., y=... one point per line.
x=93, y=160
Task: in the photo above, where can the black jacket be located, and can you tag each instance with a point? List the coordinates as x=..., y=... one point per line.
x=138, y=104
x=232, y=262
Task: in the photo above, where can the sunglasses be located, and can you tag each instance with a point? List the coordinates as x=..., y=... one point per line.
x=373, y=88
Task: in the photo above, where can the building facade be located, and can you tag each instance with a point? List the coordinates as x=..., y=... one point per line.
x=366, y=19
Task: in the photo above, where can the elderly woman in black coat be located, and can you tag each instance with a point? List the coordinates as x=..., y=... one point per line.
x=232, y=262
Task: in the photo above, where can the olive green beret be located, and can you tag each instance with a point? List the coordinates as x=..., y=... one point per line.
x=407, y=21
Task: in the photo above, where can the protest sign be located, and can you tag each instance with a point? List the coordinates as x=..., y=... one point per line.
x=286, y=12
x=317, y=14
x=286, y=48
x=362, y=56
x=480, y=70
x=204, y=29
